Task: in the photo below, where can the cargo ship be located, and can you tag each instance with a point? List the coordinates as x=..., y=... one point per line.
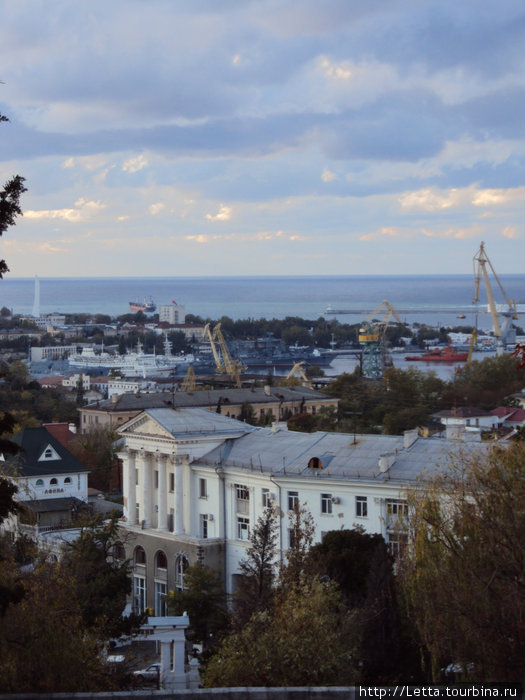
x=448, y=354
x=148, y=306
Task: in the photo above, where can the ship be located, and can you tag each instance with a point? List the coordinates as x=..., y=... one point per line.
x=148, y=306
x=133, y=364
x=448, y=354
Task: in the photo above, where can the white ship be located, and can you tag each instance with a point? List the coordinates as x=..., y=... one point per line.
x=133, y=364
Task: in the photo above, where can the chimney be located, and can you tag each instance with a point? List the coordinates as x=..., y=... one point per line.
x=409, y=437
x=267, y=390
x=386, y=460
x=114, y=398
x=72, y=427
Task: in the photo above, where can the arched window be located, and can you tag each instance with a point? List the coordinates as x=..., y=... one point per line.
x=48, y=454
x=315, y=463
x=181, y=564
x=139, y=556
x=67, y=480
x=53, y=481
x=39, y=482
x=118, y=551
x=161, y=565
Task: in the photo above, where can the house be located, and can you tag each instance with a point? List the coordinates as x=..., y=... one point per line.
x=195, y=482
x=268, y=403
x=510, y=417
x=465, y=420
x=52, y=483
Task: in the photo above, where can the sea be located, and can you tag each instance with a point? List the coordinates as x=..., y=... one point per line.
x=433, y=300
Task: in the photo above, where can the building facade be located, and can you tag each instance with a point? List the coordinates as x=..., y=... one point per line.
x=172, y=313
x=196, y=482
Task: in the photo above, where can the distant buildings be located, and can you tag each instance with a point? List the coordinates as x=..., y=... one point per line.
x=172, y=313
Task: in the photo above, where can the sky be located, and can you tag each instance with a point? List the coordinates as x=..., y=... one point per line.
x=263, y=137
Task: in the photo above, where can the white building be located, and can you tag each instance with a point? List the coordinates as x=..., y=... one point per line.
x=172, y=313
x=195, y=482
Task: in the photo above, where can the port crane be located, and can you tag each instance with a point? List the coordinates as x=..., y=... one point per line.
x=505, y=335
x=298, y=371
x=224, y=363
x=372, y=338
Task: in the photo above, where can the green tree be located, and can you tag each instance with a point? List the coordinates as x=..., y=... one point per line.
x=305, y=639
x=204, y=599
x=301, y=530
x=97, y=450
x=258, y=569
x=463, y=576
x=102, y=580
x=9, y=205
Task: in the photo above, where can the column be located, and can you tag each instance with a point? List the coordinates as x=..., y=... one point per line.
x=130, y=494
x=162, y=520
x=145, y=484
x=179, y=492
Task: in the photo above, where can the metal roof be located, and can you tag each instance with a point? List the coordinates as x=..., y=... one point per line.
x=197, y=421
x=32, y=443
x=289, y=453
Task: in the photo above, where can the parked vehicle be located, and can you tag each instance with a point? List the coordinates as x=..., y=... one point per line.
x=149, y=674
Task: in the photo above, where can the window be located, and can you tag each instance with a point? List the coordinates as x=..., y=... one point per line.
x=67, y=480
x=397, y=508
x=203, y=491
x=172, y=483
x=156, y=479
x=181, y=564
x=243, y=528
x=293, y=500
x=139, y=556
x=119, y=553
x=203, y=526
x=53, y=481
x=48, y=454
x=139, y=594
x=243, y=499
x=397, y=544
x=361, y=506
x=161, y=591
x=161, y=562
x=171, y=520
x=326, y=503
x=136, y=477
x=39, y=482
x=266, y=499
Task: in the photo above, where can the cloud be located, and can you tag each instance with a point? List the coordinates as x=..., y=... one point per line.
x=433, y=200
x=83, y=212
x=155, y=209
x=133, y=165
x=510, y=232
x=335, y=71
x=224, y=214
x=389, y=231
x=328, y=175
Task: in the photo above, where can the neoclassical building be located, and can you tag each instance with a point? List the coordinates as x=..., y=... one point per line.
x=195, y=482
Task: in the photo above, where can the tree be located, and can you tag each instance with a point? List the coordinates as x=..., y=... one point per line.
x=463, y=576
x=9, y=205
x=44, y=645
x=301, y=529
x=97, y=450
x=204, y=599
x=258, y=569
x=305, y=639
x=102, y=580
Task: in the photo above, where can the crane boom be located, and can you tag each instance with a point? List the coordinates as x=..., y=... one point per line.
x=482, y=260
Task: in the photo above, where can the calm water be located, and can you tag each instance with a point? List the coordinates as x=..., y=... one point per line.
x=438, y=299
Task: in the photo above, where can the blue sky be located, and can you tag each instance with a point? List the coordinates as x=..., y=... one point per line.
x=263, y=137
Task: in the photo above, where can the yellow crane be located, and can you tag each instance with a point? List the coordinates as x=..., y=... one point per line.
x=510, y=313
x=372, y=338
x=189, y=382
x=298, y=371
x=223, y=360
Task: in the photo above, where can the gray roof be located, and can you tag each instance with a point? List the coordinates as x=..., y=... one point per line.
x=188, y=422
x=211, y=397
x=288, y=453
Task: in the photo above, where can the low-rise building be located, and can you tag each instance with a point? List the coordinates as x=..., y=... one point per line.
x=195, y=483
x=269, y=403
x=172, y=313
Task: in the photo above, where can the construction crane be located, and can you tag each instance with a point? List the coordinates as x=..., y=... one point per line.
x=298, y=371
x=223, y=360
x=504, y=335
x=372, y=338
x=189, y=382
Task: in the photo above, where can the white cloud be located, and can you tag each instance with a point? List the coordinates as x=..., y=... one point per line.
x=328, y=175
x=155, y=209
x=133, y=165
x=84, y=211
x=224, y=214
x=89, y=163
x=335, y=71
x=510, y=232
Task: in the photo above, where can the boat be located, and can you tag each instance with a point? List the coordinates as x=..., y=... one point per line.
x=448, y=354
x=133, y=364
x=461, y=316
x=148, y=306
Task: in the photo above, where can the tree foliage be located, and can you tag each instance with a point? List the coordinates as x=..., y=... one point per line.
x=204, y=599
x=9, y=205
x=306, y=638
x=463, y=577
x=258, y=569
